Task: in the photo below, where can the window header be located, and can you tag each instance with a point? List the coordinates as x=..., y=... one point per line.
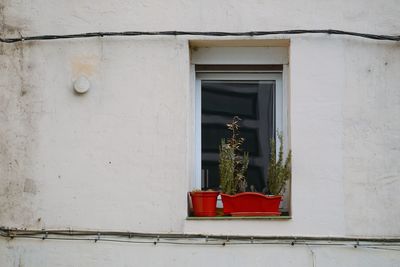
x=240, y=56
x=244, y=68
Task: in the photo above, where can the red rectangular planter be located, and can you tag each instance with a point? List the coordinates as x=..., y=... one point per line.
x=251, y=204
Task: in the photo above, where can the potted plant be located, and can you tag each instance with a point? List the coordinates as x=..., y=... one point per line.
x=204, y=203
x=233, y=164
x=279, y=171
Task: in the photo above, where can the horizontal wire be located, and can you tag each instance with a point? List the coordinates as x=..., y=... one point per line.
x=198, y=239
x=13, y=232
x=380, y=248
x=198, y=33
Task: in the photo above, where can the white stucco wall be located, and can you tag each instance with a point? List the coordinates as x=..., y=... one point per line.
x=121, y=156
x=63, y=253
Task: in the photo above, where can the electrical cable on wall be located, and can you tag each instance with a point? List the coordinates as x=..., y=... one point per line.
x=392, y=244
x=199, y=33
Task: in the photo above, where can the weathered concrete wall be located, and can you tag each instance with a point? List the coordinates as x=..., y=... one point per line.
x=121, y=156
x=63, y=253
x=371, y=134
x=111, y=142
x=18, y=116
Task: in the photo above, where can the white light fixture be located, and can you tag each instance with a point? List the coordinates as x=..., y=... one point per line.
x=81, y=85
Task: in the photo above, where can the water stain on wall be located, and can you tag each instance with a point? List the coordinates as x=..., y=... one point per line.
x=18, y=128
x=84, y=65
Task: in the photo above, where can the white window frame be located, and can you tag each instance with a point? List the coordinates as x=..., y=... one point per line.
x=281, y=109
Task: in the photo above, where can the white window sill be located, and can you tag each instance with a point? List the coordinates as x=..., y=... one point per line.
x=239, y=218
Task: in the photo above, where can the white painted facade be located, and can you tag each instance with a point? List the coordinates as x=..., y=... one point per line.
x=122, y=156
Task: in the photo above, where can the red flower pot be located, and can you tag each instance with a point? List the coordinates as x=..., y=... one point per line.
x=204, y=203
x=251, y=204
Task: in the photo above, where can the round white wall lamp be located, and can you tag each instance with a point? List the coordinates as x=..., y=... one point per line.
x=81, y=85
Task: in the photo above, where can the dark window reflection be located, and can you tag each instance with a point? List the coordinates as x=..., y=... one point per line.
x=212, y=134
x=223, y=99
x=253, y=102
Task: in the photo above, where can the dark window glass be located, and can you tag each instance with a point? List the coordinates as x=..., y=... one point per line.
x=224, y=99
x=253, y=102
x=213, y=133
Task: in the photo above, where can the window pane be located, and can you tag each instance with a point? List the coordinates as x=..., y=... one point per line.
x=213, y=133
x=230, y=99
x=253, y=102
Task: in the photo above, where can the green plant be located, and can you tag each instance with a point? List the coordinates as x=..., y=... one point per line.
x=279, y=169
x=233, y=163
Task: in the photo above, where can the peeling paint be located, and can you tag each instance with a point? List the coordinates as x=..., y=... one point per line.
x=30, y=186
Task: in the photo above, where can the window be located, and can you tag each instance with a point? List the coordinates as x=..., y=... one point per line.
x=255, y=94
x=244, y=78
